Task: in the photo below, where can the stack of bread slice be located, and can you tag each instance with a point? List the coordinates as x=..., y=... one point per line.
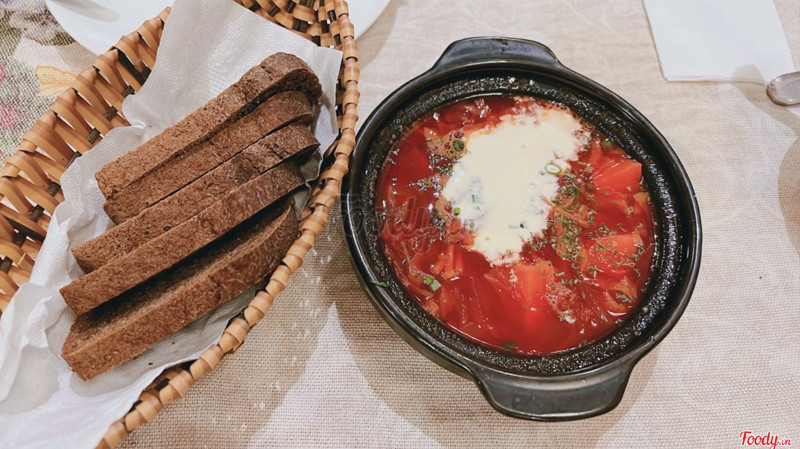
x=202, y=214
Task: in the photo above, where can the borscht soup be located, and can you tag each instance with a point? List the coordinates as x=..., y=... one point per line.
x=517, y=224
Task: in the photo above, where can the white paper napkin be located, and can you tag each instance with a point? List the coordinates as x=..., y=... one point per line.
x=719, y=40
x=207, y=45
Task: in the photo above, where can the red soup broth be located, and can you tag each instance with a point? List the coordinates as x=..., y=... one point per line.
x=570, y=285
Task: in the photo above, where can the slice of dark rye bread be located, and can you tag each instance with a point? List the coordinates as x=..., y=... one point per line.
x=292, y=141
x=275, y=113
x=278, y=72
x=127, y=326
x=169, y=248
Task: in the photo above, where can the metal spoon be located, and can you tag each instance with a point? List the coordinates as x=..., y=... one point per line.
x=785, y=89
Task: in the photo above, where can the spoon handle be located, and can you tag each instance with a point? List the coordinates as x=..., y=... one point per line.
x=785, y=89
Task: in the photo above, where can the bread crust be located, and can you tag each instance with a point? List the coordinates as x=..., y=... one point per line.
x=278, y=72
x=127, y=326
x=272, y=115
x=264, y=156
x=166, y=250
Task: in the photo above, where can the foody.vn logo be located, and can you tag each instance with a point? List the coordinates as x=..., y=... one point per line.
x=772, y=441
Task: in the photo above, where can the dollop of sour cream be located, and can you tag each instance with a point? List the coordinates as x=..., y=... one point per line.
x=502, y=188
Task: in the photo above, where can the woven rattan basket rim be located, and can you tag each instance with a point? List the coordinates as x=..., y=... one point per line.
x=81, y=116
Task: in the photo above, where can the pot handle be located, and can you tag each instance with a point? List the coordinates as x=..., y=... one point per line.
x=551, y=399
x=473, y=49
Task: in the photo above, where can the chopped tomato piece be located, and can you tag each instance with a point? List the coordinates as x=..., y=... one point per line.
x=613, y=252
x=564, y=302
x=596, y=158
x=621, y=175
x=641, y=203
x=526, y=283
x=641, y=199
x=532, y=280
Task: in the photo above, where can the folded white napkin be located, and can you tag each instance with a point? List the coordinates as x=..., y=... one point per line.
x=719, y=40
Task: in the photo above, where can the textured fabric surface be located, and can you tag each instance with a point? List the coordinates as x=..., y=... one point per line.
x=323, y=369
x=38, y=61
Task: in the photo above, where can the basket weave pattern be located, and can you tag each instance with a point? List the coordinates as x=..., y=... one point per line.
x=81, y=116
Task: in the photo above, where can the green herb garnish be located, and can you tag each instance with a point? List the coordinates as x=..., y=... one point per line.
x=571, y=190
x=538, y=244
x=458, y=145
x=606, y=144
x=423, y=184
x=509, y=346
x=553, y=169
x=566, y=240
x=456, y=211
x=380, y=283
x=432, y=283
x=639, y=251
x=624, y=298
x=604, y=230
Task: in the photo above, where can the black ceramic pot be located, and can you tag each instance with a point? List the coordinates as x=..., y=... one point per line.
x=573, y=384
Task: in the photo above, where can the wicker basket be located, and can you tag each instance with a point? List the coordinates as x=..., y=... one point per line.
x=30, y=189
